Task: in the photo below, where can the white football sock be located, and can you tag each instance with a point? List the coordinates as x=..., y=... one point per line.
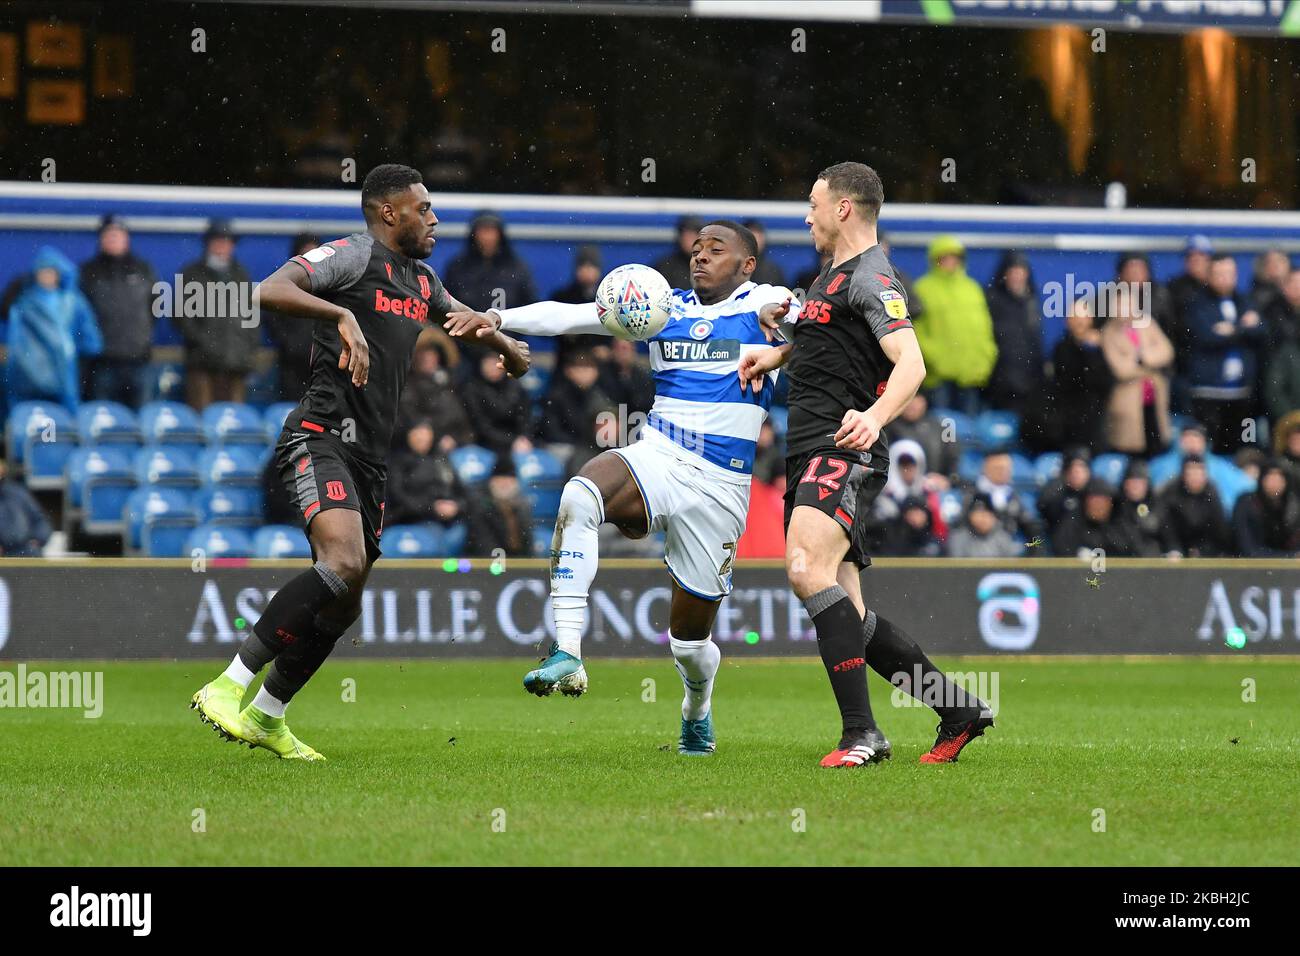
x=240, y=674
x=697, y=662
x=574, y=556
x=267, y=704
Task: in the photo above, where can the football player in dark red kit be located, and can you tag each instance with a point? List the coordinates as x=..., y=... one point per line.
x=854, y=363
x=370, y=295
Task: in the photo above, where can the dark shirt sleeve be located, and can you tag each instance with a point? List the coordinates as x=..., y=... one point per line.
x=336, y=265
x=883, y=306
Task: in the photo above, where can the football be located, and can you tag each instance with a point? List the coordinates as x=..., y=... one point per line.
x=634, y=302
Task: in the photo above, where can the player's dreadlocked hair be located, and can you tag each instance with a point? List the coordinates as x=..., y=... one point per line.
x=746, y=235
x=382, y=181
x=858, y=182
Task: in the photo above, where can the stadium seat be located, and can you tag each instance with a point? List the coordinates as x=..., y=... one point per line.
x=780, y=418
x=453, y=539
x=48, y=442
x=412, y=541
x=107, y=462
x=1110, y=467
x=165, y=381
x=963, y=424
x=171, y=423
x=232, y=464
x=541, y=476
x=473, y=463
x=997, y=430
x=273, y=419
x=42, y=420
x=168, y=536
x=536, y=381
x=230, y=505
x=280, y=541
x=167, y=465
x=970, y=465
x=105, y=423
x=542, y=537
x=152, y=503
x=219, y=542
x=1047, y=467
x=227, y=423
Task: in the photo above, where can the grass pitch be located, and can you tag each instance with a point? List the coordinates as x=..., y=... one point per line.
x=439, y=762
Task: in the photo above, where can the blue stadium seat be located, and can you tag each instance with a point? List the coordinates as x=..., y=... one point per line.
x=232, y=464
x=453, y=539
x=1023, y=474
x=997, y=430
x=963, y=424
x=970, y=465
x=104, y=503
x=42, y=420
x=536, y=381
x=412, y=541
x=111, y=463
x=48, y=441
x=1029, y=498
x=541, y=476
x=226, y=423
x=542, y=537
x=165, y=381
x=1047, y=467
x=219, y=542
x=1110, y=467
x=230, y=504
x=780, y=418
x=168, y=536
x=152, y=503
x=104, y=423
x=273, y=419
x=171, y=423
x=473, y=463
x=167, y=465
x=280, y=541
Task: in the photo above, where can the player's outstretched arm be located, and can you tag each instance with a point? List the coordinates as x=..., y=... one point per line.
x=287, y=291
x=860, y=429
x=754, y=365
x=463, y=321
x=540, y=318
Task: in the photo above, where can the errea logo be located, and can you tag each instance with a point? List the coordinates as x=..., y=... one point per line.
x=75, y=909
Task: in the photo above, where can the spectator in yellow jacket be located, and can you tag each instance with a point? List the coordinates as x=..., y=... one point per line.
x=955, y=330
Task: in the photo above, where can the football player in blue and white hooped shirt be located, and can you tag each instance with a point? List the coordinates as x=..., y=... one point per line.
x=689, y=474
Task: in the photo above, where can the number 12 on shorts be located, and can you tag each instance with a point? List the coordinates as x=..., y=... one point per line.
x=832, y=478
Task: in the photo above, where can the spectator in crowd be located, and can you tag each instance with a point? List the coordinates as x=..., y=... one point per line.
x=1250, y=461
x=982, y=534
x=1090, y=528
x=769, y=457
x=119, y=286
x=911, y=534
x=676, y=265
x=995, y=484
x=1193, y=523
x=1017, y=377
x=1224, y=335
x=292, y=336
x=24, y=529
x=1081, y=382
x=1286, y=445
x=51, y=327
x=422, y=484
x=1064, y=496
x=1140, y=358
x=430, y=394
x=1149, y=299
x=489, y=274
x=1187, y=286
x=956, y=333
x=497, y=406
x=572, y=404
x=1136, y=514
x=1192, y=441
x=940, y=442
x=500, y=521
x=587, y=273
x=625, y=380
x=1281, y=316
x=766, y=272
x=1271, y=268
x=907, y=479
x=219, y=348
x=1267, y=520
